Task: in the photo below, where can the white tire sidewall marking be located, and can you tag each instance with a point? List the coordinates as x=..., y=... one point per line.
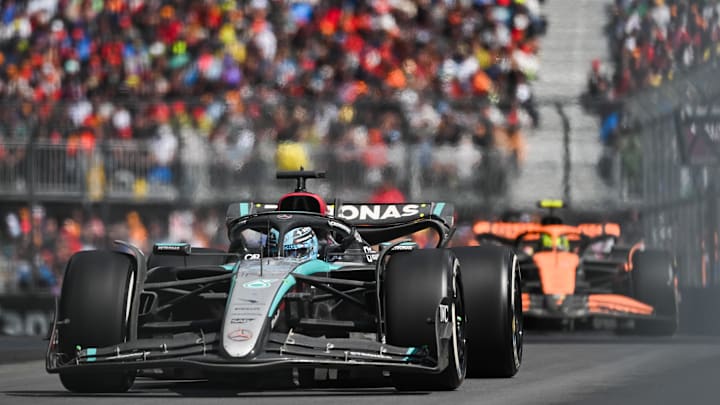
x=130, y=295
x=455, y=348
x=513, y=303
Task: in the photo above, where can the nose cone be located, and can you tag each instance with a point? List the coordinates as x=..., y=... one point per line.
x=557, y=271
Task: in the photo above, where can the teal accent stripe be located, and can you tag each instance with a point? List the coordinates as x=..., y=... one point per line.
x=91, y=352
x=287, y=283
x=410, y=352
x=244, y=209
x=438, y=208
x=234, y=269
x=315, y=266
x=305, y=269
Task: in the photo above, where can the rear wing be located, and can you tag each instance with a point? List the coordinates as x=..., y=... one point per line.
x=512, y=230
x=363, y=214
x=603, y=229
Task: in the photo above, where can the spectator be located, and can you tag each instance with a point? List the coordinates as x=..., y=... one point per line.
x=652, y=41
x=597, y=81
x=467, y=160
x=137, y=233
x=110, y=71
x=130, y=91
x=387, y=192
x=38, y=264
x=163, y=148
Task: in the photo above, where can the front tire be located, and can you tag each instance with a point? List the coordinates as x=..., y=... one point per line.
x=416, y=283
x=95, y=300
x=653, y=279
x=491, y=276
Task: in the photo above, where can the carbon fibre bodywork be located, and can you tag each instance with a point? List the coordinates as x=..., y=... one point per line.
x=582, y=273
x=251, y=312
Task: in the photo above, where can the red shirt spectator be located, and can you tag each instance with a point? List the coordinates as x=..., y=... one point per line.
x=387, y=194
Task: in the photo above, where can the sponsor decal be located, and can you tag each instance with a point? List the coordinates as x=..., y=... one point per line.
x=444, y=313
x=370, y=254
x=378, y=212
x=169, y=247
x=240, y=335
x=241, y=320
x=246, y=309
x=184, y=248
x=283, y=216
x=260, y=283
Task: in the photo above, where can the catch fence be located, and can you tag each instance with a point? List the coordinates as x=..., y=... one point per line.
x=670, y=170
x=185, y=159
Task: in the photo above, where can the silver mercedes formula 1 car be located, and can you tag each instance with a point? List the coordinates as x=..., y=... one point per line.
x=306, y=291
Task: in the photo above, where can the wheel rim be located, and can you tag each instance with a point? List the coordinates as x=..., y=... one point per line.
x=517, y=318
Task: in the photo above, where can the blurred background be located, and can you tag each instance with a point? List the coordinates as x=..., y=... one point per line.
x=142, y=120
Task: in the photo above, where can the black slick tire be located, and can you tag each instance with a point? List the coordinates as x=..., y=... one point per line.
x=653, y=283
x=94, y=302
x=416, y=284
x=493, y=302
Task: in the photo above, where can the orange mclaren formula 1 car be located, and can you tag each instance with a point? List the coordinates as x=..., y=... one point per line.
x=580, y=272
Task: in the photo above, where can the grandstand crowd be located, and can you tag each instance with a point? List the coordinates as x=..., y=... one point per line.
x=654, y=40
x=241, y=78
x=650, y=42
x=35, y=243
x=359, y=88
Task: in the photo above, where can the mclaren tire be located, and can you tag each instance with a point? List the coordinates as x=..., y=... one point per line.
x=653, y=279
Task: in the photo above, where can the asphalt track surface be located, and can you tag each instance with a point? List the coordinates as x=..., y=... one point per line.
x=584, y=368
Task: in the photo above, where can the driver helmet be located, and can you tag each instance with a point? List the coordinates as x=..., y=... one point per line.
x=301, y=243
x=561, y=242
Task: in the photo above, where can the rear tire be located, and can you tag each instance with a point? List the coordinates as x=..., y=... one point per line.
x=95, y=299
x=653, y=279
x=491, y=277
x=416, y=283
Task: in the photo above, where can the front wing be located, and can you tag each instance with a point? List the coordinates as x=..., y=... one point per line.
x=578, y=306
x=280, y=351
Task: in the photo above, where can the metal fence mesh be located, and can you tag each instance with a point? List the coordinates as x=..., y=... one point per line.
x=678, y=199
x=178, y=157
